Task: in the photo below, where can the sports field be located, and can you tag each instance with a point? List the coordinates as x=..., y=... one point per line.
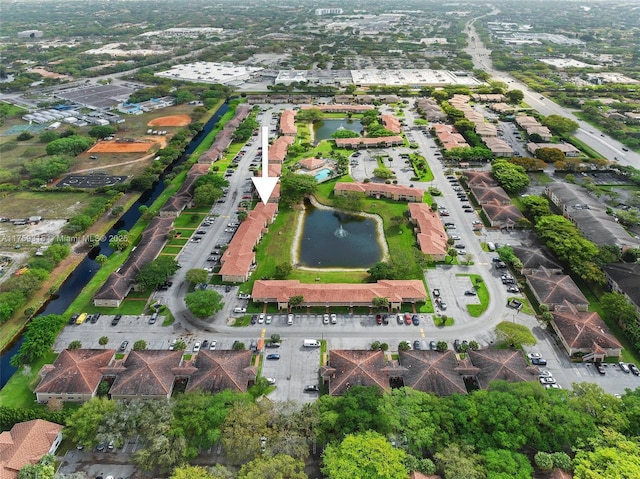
x=121, y=147
x=171, y=120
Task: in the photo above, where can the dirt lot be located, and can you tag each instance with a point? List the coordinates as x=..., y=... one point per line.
x=172, y=120
x=121, y=147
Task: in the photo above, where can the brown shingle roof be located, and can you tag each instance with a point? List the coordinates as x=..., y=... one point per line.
x=75, y=371
x=553, y=289
x=583, y=330
x=220, y=370
x=500, y=214
x=490, y=195
x=147, y=373
x=356, y=368
x=502, y=364
x=432, y=372
x=480, y=178
x=26, y=443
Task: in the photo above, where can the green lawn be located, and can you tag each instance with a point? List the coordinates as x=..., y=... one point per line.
x=18, y=392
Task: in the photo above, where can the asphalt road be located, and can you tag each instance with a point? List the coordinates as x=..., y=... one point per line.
x=608, y=147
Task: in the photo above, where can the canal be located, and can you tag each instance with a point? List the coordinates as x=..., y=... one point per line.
x=77, y=280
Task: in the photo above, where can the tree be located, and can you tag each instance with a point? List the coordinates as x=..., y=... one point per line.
x=344, y=133
x=514, y=335
x=367, y=454
x=82, y=425
x=543, y=460
x=295, y=187
x=511, y=177
x=103, y=341
x=460, y=462
x=560, y=125
x=296, y=300
x=48, y=167
x=206, y=195
x=611, y=456
x=245, y=424
x=180, y=345
x=381, y=270
x=505, y=464
x=283, y=270
x=442, y=346
x=44, y=469
x=191, y=472
x=380, y=302
x=197, y=276
x=154, y=274
x=101, y=131
x=101, y=259
x=140, y=345
x=536, y=207
x=204, y=303
x=120, y=241
x=279, y=466
x=404, y=346
x=142, y=183
x=550, y=155
x=72, y=145
x=514, y=96
x=383, y=172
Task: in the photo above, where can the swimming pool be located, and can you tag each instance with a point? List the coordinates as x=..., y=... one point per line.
x=323, y=174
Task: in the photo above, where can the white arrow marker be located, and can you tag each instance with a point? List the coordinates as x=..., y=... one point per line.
x=265, y=183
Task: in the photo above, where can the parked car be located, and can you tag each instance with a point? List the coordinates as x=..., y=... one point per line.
x=547, y=380
x=212, y=345
x=624, y=367
x=634, y=369
x=272, y=344
x=415, y=319
x=261, y=318
x=325, y=318
x=539, y=362
x=289, y=319
x=311, y=388
x=433, y=345
x=205, y=344
x=470, y=292
x=436, y=293
x=378, y=319
x=385, y=319
x=456, y=345
x=334, y=319
x=273, y=356
x=254, y=318
x=407, y=318
x=196, y=347
x=399, y=318
x=600, y=368
x=123, y=345
x=417, y=345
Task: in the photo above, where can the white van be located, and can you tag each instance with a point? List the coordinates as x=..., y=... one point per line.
x=240, y=310
x=311, y=343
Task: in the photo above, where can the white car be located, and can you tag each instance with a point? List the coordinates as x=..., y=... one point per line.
x=261, y=318
x=212, y=345
x=533, y=355
x=271, y=380
x=290, y=319
x=334, y=319
x=268, y=320
x=196, y=347
x=325, y=319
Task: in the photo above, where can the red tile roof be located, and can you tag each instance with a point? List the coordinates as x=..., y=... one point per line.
x=382, y=189
x=339, y=293
x=312, y=163
x=288, y=123
x=369, y=142
x=348, y=368
x=25, y=444
x=278, y=149
x=431, y=234
x=449, y=136
x=391, y=123
x=239, y=256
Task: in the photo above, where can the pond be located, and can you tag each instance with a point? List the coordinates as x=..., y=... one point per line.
x=323, y=130
x=332, y=239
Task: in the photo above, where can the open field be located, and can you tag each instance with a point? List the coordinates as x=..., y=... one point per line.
x=171, y=120
x=121, y=147
x=49, y=205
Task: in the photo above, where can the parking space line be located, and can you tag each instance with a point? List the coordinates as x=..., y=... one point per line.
x=422, y=333
x=263, y=333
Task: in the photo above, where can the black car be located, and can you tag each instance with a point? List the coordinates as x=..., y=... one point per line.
x=634, y=369
x=456, y=345
x=116, y=319
x=72, y=319
x=417, y=345
x=311, y=388
x=227, y=288
x=205, y=344
x=273, y=356
x=254, y=318
x=385, y=319
x=415, y=319
x=600, y=368
x=433, y=345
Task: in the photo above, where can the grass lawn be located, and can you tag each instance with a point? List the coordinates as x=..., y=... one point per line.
x=437, y=321
x=241, y=321
x=541, y=178
x=52, y=205
x=18, y=392
x=476, y=310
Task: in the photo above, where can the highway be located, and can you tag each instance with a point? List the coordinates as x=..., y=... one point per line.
x=608, y=147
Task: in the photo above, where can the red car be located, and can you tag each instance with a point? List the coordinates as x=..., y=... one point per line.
x=407, y=318
x=378, y=319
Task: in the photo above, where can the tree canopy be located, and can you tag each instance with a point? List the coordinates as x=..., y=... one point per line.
x=154, y=274
x=204, y=303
